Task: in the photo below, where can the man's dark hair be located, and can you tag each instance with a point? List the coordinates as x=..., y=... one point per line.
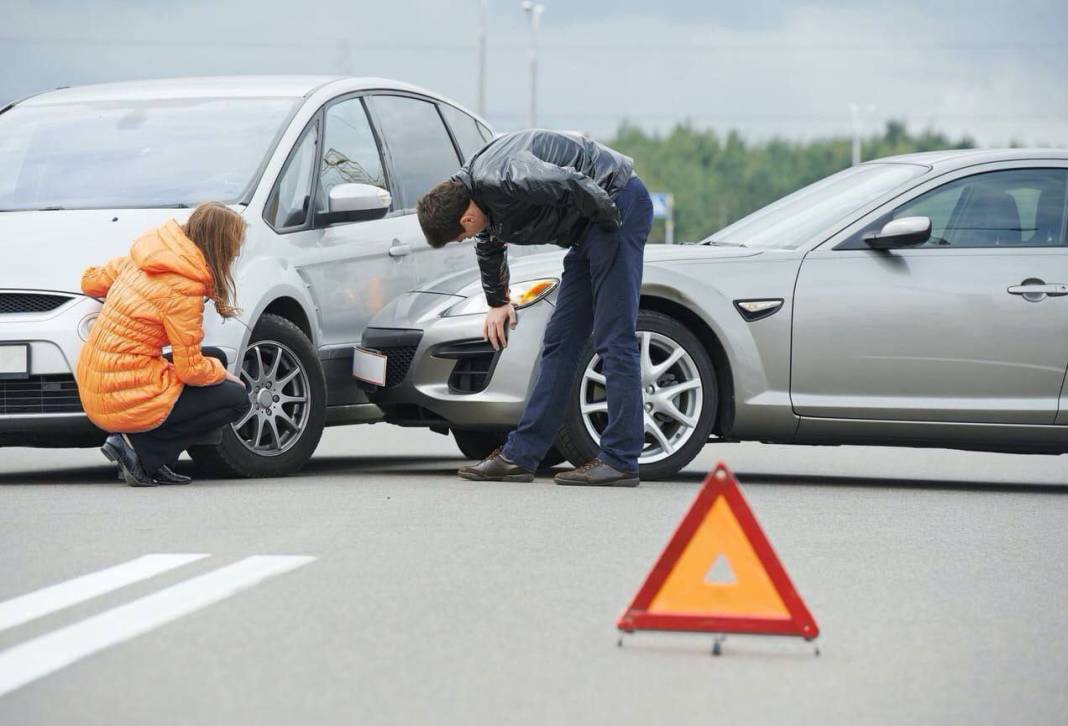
x=439, y=212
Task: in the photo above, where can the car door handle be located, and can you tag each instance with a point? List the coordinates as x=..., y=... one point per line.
x=399, y=250
x=1053, y=289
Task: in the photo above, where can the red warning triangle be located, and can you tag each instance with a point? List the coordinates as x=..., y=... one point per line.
x=719, y=574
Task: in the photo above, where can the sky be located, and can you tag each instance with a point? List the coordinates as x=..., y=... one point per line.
x=991, y=69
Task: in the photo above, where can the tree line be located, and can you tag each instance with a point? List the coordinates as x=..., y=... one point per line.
x=716, y=179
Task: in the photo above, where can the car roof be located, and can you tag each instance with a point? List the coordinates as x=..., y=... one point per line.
x=219, y=87
x=170, y=88
x=952, y=158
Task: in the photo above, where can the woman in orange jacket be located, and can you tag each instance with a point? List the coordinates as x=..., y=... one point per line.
x=154, y=407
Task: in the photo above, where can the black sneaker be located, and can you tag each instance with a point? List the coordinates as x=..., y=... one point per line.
x=596, y=473
x=495, y=468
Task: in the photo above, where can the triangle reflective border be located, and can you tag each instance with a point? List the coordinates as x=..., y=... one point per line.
x=680, y=593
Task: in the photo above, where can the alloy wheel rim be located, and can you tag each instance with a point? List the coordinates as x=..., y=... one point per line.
x=672, y=396
x=278, y=389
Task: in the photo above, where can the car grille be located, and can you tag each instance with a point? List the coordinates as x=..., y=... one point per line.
x=475, y=361
x=29, y=302
x=40, y=394
x=398, y=345
x=398, y=361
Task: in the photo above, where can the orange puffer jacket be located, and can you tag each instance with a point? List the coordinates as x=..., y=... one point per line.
x=155, y=298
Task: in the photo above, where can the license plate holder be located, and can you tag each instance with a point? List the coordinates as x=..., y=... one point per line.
x=14, y=361
x=369, y=365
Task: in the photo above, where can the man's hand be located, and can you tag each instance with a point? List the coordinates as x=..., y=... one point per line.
x=231, y=377
x=493, y=326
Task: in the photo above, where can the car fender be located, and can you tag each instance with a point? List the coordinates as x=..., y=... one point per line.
x=758, y=352
x=259, y=283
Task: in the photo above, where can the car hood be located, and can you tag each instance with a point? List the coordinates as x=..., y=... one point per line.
x=551, y=264
x=50, y=250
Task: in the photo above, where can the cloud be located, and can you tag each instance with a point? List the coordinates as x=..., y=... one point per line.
x=987, y=68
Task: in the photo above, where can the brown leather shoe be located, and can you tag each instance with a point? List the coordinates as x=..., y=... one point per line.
x=495, y=468
x=596, y=473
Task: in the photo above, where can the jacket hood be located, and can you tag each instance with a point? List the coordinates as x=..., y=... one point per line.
x=167, y=249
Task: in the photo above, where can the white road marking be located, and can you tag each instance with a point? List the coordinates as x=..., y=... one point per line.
x=41, y=656
x=48, y=600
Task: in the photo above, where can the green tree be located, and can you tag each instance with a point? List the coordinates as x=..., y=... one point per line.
x=718, y=180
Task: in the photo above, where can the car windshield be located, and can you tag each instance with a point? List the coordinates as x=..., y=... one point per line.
x=794, y=219
x=139, y=153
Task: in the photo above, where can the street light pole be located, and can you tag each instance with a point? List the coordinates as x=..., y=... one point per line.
x=533, y=11
x=482, y=59
x=854, y=112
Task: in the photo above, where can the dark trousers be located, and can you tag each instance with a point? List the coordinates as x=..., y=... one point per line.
x=598, y=294
x=198, y=410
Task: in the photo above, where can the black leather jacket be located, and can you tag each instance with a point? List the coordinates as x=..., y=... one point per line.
x=540, y=187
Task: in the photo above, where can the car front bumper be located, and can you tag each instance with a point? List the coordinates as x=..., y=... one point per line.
x=44, y=408
x=454, y=379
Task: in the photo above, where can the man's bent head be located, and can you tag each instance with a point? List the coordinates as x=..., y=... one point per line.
x=447, y=214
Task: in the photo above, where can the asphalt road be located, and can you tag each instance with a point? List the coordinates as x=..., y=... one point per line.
x=939, y=580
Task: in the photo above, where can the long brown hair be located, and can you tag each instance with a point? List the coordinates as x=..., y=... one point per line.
x=218, y=232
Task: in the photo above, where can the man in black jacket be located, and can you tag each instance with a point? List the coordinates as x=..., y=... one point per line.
x=538, y=187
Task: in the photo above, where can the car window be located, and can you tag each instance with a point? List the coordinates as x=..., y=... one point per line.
x=350, y=152
x=487, y=135
x=797, y=218
x=464, y=130
x=422, y=152
x=1017, y=207
x=288, y=204
x=123, y=154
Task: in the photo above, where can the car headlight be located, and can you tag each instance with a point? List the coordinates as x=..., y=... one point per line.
x=521, y=294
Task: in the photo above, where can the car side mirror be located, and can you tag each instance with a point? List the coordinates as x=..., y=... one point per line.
x=904, y=232
x=356, y=203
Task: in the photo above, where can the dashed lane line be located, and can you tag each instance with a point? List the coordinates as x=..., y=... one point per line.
x=49, y=653
x=48, y=600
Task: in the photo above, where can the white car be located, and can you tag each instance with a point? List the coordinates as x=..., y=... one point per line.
x=326, y=172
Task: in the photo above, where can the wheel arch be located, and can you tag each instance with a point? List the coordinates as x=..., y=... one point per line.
x=289, y=308
x=269, y=284
x=715, y=349
x=286, y=302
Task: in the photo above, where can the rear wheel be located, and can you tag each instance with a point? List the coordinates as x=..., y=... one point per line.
x=478, y=445
x=288, y=393
x=679, y=393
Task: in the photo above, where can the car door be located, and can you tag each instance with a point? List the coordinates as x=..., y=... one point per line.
x=358, y=266
x=422, y=154
x=972, y=326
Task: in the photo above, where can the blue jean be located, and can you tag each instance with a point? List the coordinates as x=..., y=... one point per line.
x=598, y=294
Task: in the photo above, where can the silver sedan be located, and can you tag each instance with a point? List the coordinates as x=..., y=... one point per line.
x=918, y=300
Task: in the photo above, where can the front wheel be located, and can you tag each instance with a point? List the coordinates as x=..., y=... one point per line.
x=288, y=393
x=679, y=394
x=477, y=445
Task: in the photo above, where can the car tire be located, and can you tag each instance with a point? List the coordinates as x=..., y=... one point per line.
x=477, y=445
x=575, y=440
x=242, y=452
